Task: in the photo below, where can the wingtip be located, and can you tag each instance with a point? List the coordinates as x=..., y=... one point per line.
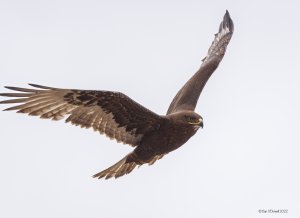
x=40, y=86
x=227, y=22
x=10, y=87
x=34, y=85
x=7, y=87
x=19, y=89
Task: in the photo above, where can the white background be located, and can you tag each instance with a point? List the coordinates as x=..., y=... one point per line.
x=247, y=156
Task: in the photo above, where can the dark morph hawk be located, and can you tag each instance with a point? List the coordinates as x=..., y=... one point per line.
x=121, y=118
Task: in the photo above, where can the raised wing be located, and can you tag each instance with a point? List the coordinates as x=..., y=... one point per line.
x=187, y=96
x=111, y=113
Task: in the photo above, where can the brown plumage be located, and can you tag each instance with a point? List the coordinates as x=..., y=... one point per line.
x=119, y=117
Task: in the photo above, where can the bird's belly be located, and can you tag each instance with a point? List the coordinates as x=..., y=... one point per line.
x=175, y=141
x=162, y=143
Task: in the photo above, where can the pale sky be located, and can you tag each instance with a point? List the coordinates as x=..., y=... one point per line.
x=245, y=159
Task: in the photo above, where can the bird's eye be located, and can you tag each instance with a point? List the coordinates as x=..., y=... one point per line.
x=193, y=120
x=190, y=119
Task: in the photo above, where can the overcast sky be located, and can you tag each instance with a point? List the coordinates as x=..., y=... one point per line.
x=247, y=156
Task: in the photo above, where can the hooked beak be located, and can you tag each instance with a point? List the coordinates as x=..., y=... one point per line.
x=201, y=124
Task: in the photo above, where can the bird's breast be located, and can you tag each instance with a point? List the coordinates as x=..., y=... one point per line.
x=166, y=139
x=180, y=134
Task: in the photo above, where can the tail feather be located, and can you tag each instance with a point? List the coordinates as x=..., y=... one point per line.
x=155, y=158
x=117, y=170
x=125, y=166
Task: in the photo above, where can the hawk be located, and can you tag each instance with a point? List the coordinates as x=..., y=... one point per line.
x=121, y=118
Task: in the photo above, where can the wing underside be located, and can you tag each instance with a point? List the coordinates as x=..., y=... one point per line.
x=187, y=96
x=110, y=113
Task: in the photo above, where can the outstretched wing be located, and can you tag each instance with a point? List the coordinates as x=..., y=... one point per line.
x=111, y=113
x=187, y=97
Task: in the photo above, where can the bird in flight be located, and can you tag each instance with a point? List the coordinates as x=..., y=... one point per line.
x=119, y=117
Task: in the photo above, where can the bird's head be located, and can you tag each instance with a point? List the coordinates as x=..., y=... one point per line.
x=187, y=117
x=194, y=119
